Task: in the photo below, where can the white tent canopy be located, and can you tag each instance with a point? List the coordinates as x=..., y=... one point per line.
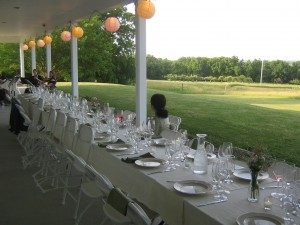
x=20, y=19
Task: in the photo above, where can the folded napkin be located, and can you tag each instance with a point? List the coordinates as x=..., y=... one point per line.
x=104, y=144
x=133, y=159
x=118, y=200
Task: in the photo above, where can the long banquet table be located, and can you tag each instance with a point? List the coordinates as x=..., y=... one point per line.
x=157, y=193
x=177, y=209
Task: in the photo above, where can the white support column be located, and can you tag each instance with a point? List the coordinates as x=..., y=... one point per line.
x=74, y=66
x=22, y=66
x=261, y=71
x=33, y=58
x=48, y=59
x=141, y=71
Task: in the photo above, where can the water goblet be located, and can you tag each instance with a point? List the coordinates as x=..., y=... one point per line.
x=278, y=170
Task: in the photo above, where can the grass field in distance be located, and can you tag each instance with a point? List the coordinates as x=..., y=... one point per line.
x=266, y=115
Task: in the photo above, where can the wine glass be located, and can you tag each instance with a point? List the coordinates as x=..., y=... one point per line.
x=209, y=148
x=170, y=150
x=218, y=177
x=278, y=170
x=225, y=150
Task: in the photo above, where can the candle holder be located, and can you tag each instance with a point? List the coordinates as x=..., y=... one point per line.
x=268, y=203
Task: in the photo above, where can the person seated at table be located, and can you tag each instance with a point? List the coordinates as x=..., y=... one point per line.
x=4, y=97
x=158, y=104
x=51, y=83
x=34, y=79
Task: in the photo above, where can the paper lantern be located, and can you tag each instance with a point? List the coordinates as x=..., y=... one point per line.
x=77, y=32
x=40, y=43
x=47, y=39
x=31, y=44
x=25, y=47
x=112, y=24
x=145, y=9
x=65, y=35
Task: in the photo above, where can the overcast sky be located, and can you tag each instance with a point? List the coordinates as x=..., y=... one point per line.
x=268, y=29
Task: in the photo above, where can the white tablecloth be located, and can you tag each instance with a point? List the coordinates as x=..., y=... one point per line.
x=176, y=208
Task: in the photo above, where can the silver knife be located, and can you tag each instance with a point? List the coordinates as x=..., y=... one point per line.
x=155, y=172
x=212, y=202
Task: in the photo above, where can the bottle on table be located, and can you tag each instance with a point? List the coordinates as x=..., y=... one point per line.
x=200, y=158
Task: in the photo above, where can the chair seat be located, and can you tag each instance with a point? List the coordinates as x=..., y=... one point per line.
x=59, y=148
x=91, y=189
x=115, y=216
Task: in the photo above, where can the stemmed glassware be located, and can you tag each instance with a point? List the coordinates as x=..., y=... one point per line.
x=225, y=153
x=278, y=170
x=170, y=151
x=225, y=150
x=219, y=175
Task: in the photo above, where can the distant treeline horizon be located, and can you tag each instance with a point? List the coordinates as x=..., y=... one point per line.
x=211, y=69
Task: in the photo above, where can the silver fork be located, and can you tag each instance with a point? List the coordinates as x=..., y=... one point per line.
x=212, y=202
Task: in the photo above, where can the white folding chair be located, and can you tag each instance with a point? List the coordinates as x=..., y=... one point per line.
x=175, y=121
x=97, y=187
x=57, y=152
x=46, y=151
x=131, y=213
x=79, y=153
x=27, y=139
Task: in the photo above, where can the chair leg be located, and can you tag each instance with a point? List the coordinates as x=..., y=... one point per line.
x=77, y=205
x=83, y=212
x=65, y=192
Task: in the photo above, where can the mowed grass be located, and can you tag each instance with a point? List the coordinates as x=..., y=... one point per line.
x=247, y=115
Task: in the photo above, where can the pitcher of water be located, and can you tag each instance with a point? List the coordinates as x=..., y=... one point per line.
x=200, y=158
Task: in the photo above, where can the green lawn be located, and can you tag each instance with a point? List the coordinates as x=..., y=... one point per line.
x=244, y=114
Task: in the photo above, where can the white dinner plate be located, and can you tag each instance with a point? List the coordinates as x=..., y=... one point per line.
x=191, y=155
x=193, y=187
x=148, y=162
x=118, y=147
x=259, y=219
x=159, y=142
x=104, y=137
x=245, y=174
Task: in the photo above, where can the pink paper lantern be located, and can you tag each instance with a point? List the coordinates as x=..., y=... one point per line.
x=65, y=35
x=25, y=47
x=40, y=43
x=112, y=24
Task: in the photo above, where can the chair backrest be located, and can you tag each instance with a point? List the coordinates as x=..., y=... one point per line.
x=20, y=108
x=174, y=122
x=69, y=132
x=45, y=118
x=102, y=181
x=51, y=121
x=170, y=134
x=137, y=215
x=36, y=115
x=40, y=103
x=27, y=120
x=17, y=101
x=60, y=124
x=83, y=141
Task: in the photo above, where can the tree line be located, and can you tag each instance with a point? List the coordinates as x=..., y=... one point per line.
x=109, y=57
x=223, y=69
